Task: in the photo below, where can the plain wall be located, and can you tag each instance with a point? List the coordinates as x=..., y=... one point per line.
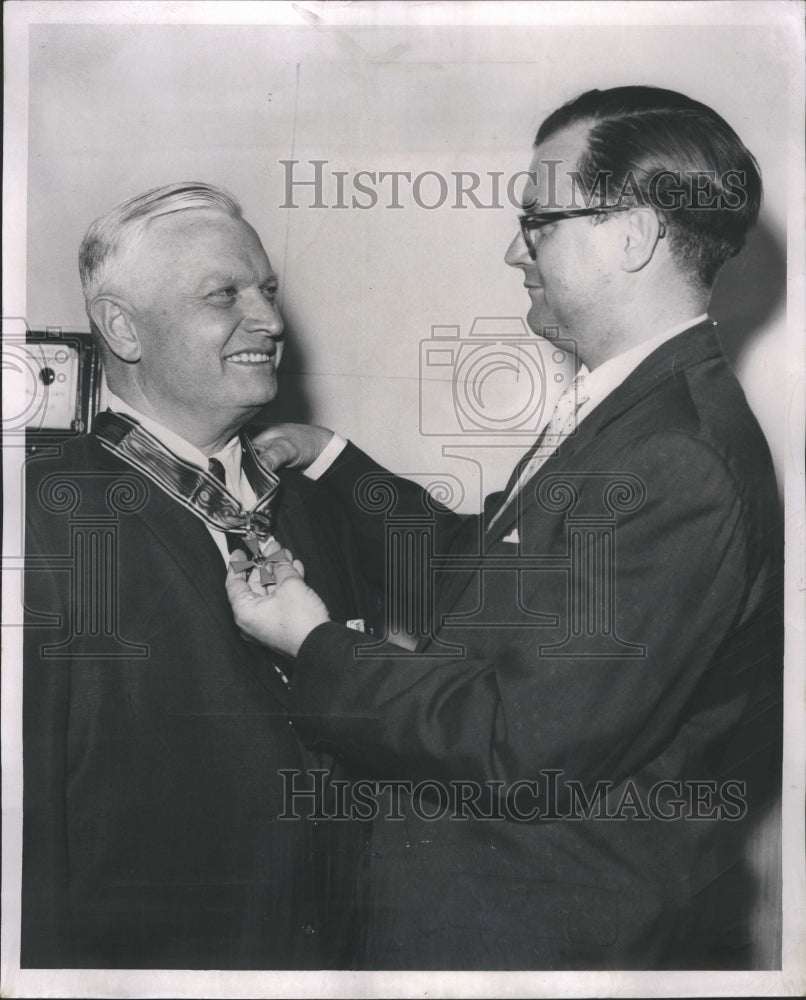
x=116, y=109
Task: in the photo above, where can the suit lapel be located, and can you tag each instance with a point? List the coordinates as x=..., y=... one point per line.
x=687, y=348
x=667, y=361
x=188, y=544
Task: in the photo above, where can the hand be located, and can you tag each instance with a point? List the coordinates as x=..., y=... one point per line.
x=292, y=445
x=280, y=616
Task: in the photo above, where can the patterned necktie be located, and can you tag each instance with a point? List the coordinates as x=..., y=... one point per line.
x=561, y=426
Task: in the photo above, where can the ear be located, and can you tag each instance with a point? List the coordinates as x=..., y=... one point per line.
x=112, y=317
x=643, y=230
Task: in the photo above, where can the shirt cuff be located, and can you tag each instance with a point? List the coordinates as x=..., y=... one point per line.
x=327, y=457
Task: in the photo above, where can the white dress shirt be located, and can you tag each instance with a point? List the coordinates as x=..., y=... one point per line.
x=327, y=457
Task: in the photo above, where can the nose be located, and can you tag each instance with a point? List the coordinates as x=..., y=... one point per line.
x=517, y=254
x=262, y=315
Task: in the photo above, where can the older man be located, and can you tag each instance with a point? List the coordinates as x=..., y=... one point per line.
x=154, y=732
x=596, y=751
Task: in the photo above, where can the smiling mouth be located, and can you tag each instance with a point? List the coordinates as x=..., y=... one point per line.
x=249, y=358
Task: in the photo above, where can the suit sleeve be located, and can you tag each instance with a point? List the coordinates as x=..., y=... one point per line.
x=509, y=708
x=369, y=493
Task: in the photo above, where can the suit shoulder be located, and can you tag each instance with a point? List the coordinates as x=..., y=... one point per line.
x=78, y=474
x=696, y=444
x=705, y=406
x=75, y=455
x=312, y=495
x=55, y=468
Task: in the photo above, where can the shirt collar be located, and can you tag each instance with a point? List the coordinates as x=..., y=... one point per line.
x=229, y=455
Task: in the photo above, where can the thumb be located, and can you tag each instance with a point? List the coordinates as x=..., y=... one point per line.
x=236, y=584
x=276, y=453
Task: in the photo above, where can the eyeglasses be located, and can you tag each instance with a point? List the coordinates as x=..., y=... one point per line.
x=536, y=220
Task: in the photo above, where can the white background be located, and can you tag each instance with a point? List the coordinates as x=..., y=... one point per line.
x=115, y=110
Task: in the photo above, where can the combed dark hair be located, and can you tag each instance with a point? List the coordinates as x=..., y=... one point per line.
x=659, y=147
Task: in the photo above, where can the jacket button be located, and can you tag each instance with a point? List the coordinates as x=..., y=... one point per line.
x=308, y=929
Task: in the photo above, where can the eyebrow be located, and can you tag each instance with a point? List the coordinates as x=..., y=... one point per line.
x=219, y=279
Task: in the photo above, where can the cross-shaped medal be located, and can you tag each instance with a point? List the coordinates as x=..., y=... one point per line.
x=258, y=561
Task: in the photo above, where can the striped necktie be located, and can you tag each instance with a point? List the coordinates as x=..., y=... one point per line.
x=216, y=468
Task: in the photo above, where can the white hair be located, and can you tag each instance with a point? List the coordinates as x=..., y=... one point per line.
x=108, y=236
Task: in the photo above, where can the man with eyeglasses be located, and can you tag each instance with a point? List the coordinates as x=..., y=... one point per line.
x=618, y=712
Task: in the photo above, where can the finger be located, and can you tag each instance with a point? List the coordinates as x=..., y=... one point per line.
x=236, y=585
x=286, y=571
x=267, y=434
x=296, y=563
x=278, y=556
x=274, y=456
x=236, y=575
x=272, y=547
x=274, y=448
x=256, y=584
x=236, y=556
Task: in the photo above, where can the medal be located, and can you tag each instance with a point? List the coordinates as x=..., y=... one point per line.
x=259, y=561
x=196, y=489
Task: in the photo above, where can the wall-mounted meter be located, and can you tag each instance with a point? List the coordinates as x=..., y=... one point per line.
x=52, y=386
x=60, y=383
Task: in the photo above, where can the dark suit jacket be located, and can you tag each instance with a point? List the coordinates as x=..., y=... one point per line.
x=153, y=735
x=676, y=680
